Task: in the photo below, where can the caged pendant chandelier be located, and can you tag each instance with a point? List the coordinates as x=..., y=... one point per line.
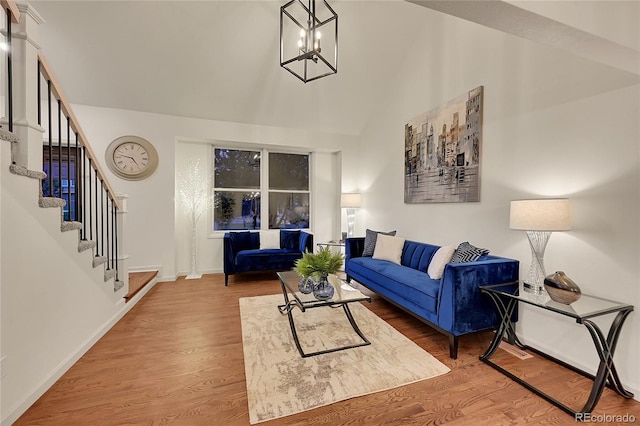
x=309, y=39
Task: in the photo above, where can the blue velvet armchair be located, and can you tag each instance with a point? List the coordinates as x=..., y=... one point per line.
x=242, y=252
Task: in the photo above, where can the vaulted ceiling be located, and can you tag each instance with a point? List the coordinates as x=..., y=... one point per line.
x=220, y=59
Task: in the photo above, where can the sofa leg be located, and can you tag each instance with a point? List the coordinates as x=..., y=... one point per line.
x=453, y=347
x=348, y=279
x=226, y=280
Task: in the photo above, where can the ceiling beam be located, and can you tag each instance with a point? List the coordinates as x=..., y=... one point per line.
x=510, y=19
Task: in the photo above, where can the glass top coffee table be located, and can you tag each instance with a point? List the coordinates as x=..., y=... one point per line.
x=343, y=295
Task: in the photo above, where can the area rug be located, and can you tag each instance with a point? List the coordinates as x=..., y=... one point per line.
x=281, y=383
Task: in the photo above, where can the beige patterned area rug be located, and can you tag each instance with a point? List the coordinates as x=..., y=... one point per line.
x=281, y=383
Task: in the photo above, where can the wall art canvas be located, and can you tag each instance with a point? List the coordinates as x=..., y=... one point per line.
x=442, y=152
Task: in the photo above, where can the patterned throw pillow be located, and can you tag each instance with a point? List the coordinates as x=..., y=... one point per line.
x=370, y=241
x=468, y=253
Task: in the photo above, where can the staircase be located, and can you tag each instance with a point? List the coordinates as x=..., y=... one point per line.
x=63, y=272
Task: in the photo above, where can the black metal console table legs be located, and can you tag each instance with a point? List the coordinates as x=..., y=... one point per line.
x=606, y=375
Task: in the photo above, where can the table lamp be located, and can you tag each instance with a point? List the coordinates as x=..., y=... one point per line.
x=539, y=218
x=350, y=201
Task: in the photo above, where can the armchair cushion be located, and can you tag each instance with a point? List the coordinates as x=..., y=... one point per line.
x=269, y=240
x=289, y=239
x=241, y=240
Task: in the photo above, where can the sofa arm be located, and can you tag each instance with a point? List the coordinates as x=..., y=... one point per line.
x=353, y=247
x=306, y=242
x=229, y=255
x=462, y=308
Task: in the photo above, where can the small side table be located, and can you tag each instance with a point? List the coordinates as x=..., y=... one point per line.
x=331, y=244
x=506, y=298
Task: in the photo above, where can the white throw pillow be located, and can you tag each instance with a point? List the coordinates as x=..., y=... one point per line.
x=389, y=248
x=269, y=240
x=439, y=260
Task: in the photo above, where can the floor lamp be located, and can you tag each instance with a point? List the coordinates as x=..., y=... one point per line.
x=351, y=202
x=539, y=218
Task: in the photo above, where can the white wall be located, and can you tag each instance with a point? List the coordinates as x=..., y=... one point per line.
x=554, y=125
x=159, y=234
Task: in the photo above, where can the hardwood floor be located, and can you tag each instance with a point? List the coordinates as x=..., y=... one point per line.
x=176, y=358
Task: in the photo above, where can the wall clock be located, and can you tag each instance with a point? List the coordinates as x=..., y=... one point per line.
x=132, y=157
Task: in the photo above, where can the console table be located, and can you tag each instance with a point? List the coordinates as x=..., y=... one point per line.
x=506, y=298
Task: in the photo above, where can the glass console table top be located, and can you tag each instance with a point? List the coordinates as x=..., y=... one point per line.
x=585, y=307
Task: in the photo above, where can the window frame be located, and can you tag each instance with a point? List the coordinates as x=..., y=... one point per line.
x=264, y=189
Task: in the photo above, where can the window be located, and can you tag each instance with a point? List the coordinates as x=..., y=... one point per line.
x=288, y=191
x=63, y=177
x=242, y=180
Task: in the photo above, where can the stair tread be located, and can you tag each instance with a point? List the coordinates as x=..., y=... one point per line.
x=137, y=280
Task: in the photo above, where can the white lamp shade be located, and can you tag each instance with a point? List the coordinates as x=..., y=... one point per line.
x=350, y=201
x=552, y=214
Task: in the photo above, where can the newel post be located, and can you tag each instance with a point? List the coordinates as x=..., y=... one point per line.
x=122, y=256
x=28, y=151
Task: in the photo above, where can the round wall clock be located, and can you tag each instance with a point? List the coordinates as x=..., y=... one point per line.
x=132, y=157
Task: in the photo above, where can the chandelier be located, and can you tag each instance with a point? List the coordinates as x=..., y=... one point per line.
x=309, y=39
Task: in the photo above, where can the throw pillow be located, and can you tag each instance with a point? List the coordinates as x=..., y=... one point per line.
x=269, y=240
x=389, y=248
x=370, y=241
x=468, y=253
x=439, y=260
x=289, y=239
x=241, y=240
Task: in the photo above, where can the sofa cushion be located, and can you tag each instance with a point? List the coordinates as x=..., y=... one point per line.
x=289, y=239
x=468, y=253
x=388, y=248
x=269, y=239
x=404, y=282
x=417, y=255
x=267, y=256
x=439, y=260
x=370, y=241
x=241, y=240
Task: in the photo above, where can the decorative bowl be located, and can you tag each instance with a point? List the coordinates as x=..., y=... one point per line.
x=561, y=288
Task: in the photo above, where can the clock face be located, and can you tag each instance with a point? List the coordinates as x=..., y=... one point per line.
x=132, y=157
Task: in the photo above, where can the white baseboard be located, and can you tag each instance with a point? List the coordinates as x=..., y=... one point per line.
x=203, y=271
x=21, y=407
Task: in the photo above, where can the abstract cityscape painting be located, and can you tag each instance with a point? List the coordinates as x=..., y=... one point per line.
x=442, y=152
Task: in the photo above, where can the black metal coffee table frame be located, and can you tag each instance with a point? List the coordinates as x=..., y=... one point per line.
x=506, y=298
x=286, y=281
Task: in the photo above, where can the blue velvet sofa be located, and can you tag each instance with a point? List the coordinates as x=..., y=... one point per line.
x=242, y=252
x=452, y=305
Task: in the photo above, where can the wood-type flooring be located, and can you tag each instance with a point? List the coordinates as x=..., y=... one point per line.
x=176, y=359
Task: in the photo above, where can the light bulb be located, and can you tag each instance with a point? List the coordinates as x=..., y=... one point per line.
x=300, y=44
x=318, y=35
x=4, y=46
x=303, y=33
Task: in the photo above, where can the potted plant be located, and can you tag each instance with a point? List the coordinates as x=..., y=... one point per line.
x=314, y=270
